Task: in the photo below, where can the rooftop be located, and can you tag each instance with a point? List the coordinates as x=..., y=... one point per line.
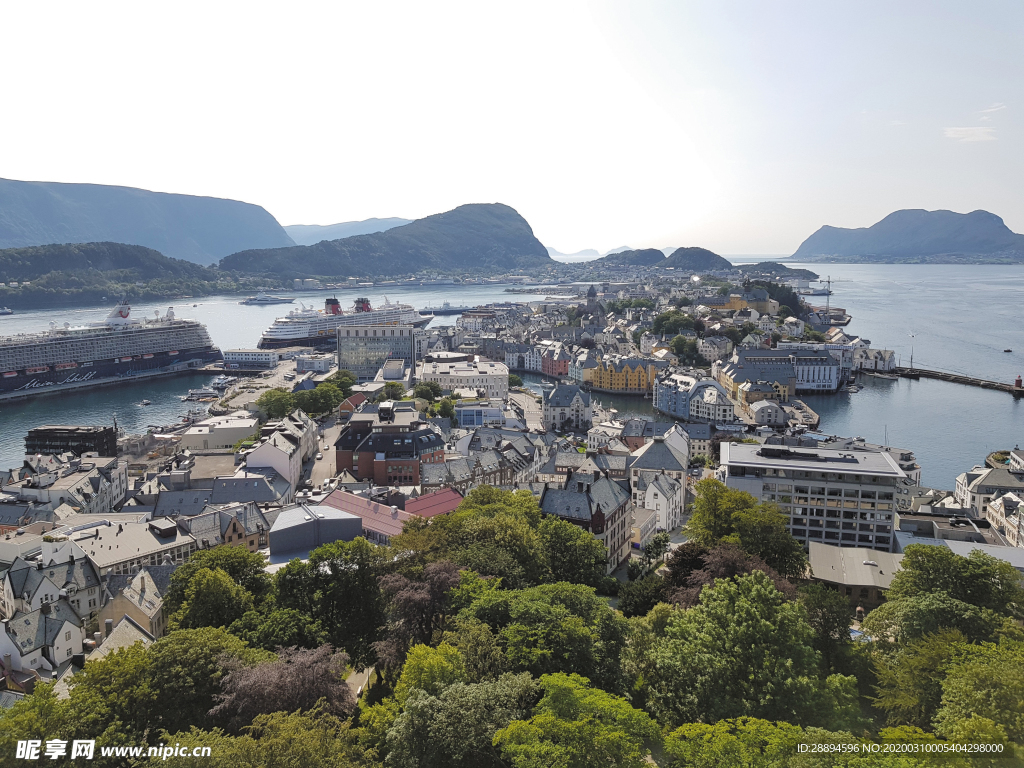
x=853, y=565
x=821, y=460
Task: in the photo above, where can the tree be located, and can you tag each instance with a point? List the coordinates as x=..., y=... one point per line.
x=828, y=613
x=514, y=380
x=572, y=553
x=279, y=628
x=339, y=586
x=456, y=729
x=344, y=380
x=906, y=619
x=311, y=739
x=430, y=670
x=446, y=409
x=672, y=322
x=910, y=682
x=298, y=678
x=416, y=610
x=986, y=682
x=723, y=514
x=745, y=650
x=244, y=567
x=743, y=741
x=979, y=579
x=392, y=391
x=725, y=562
x=276, y=403
x=637, y=598
x=427, y=390
x=212, y=599
x=324, y=398
x=575, y=726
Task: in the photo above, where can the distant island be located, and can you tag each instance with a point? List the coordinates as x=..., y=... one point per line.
x=696, y=260
x=310, y=234
x=643, y=257
x=476, y=238
x=918, y=237
x=198, y=229
x=769, y=269
x=89, y=273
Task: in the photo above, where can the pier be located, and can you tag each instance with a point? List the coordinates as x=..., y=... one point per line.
x=1015, y=389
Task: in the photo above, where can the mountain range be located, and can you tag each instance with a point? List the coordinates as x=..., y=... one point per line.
x=310, y=234
x=918, y=236
x=470, y=238
x=199, y=229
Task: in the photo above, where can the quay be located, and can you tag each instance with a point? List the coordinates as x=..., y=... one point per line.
x=1016, y=389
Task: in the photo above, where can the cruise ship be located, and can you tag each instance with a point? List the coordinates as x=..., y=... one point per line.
x=316, y=327
x=116, y=349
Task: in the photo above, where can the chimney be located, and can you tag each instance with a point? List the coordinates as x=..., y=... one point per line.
x=394, y=512
x=45, y=609
x=7, y=663
x=97, y=638
x=108, y=627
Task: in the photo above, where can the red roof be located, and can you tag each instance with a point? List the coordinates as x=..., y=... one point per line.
x=436, y=503
x=353, y=401
x=379, y=518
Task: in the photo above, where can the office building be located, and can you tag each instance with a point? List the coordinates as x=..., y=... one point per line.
x=51, y=439
x=364, y=349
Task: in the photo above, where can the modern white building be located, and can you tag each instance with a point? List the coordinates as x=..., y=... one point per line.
x=835, y=497
x=261, y=358
x=219, y=432
x=490, y=378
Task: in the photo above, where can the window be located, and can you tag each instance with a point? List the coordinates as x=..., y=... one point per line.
x=67, y=635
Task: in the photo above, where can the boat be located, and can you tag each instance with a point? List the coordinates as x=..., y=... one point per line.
x=66, y=356
x=547, y=385
x=146, y=402
x=307, y=326
x=262, y=298
x=221, y=382
x=201, y=394
x=445, y=309
x=6, y=311
x=1007, y=350
x=887, y=376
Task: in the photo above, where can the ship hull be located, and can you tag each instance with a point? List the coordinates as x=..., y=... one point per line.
x=102, y=372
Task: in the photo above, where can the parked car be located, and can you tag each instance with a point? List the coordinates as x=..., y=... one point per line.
x=319, y=456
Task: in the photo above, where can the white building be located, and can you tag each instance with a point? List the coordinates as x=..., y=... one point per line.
x=279, y=452
x=980, y=486
x=692, y=399
x=714, y=347
x=43, y=639
x=663, y=495
x=866, y=359
x=262, y=358
x=91, y=484
x=769, y=413
x=219, y=432
x=567, y=407
x=487, y=377
x=834, y=497
x=1006, y=513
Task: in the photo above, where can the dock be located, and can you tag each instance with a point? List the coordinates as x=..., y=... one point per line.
x=1014, y=389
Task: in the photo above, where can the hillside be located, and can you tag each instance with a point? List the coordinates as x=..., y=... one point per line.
x=918, y=235
x=696, y=260
x=86, y=273
x=471, y=238
x=642, y=257
x=310, y=234
x=199, y=229
x=771, y=269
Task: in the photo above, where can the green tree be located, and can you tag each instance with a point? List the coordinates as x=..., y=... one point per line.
x=392, y=391
x=828, y=613
x=279, y=628
x=276, y=403
x=575, y=726
x=713, y=510
x=638, y=598
x=906, y=619
x=446, y=408
x=987, y=682
x=514, y=380
x=244, y=567
x=743, y=741
x=573, y=554
x=909, y=685
x=672, y=322
x=456, y=729
x=344, y=380
x=430, y=670
x=339, y=586
x=427, y=390
x=744, y=650
x=212, y=599
x=979, y=579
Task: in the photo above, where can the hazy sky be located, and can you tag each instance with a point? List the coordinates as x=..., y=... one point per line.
x=741, y=127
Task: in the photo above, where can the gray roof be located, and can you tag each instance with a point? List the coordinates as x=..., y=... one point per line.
x=433, y=474
x=213, y=523
x=851, y=565
x=563, y=395
x=40, y=628
x=25, y=577
x=160, y=575
x=645, y=428
x=874, y=463
x=604, y=494
x=658, y=454
x=699, y=431
x=261, y=485
x=127, y=633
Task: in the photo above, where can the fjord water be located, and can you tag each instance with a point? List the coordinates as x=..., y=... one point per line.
x=955, y=318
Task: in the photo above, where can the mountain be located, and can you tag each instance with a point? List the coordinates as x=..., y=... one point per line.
x=471, y=238
x=696, y=260
x=918, y=235
x=310, y=234
x=90, y=273
x=773, y=269
x=198, y=229
x=620, y=249
x=642, y=257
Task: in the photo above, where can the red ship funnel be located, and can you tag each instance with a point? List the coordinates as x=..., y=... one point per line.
x=332, y=307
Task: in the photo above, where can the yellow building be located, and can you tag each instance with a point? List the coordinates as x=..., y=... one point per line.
x=628, y=375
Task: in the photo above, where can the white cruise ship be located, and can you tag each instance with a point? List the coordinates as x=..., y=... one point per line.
x=315, y=327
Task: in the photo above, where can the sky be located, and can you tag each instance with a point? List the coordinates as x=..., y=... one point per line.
x=736, y=126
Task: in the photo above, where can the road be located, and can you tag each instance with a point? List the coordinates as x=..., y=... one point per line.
x=531, y=408
x=324, y=469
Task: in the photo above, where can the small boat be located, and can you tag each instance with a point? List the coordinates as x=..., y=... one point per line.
x=266, y=298
x=6, y=311
x=1007, y=350
x=146, y=402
